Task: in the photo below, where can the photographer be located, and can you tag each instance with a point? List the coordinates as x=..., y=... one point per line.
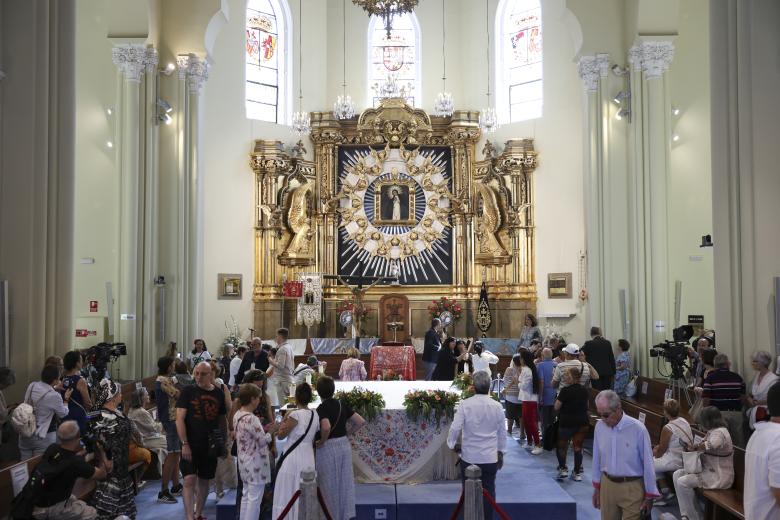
x=60, y=466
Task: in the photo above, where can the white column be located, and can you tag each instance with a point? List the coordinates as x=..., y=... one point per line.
x=132, y=60
x=650, y=150
x=193, y=73
x=593, y=71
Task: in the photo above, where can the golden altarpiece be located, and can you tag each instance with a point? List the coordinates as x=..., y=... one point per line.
x=396, y=191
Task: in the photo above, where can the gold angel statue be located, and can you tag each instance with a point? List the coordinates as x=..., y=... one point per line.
x=488, y=224
x=298, y=250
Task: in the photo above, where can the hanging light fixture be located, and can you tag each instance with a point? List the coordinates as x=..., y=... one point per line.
x=301, y=120
x=386, y=9
x=443, y=106
x=344, y=108
x=488, y=121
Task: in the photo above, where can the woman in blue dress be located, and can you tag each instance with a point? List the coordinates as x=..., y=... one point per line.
x=623, y=364
x=80, y=401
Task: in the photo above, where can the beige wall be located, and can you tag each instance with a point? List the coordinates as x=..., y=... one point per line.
x=745, y=83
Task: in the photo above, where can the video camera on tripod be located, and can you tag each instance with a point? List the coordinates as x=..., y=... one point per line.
x=675, y=352
x=98, y=357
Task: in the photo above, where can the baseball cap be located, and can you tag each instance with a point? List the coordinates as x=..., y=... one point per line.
x=572, y=349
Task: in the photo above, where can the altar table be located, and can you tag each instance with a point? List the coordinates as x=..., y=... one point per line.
x=393, y=449
x=399, y=359
x=341, y=345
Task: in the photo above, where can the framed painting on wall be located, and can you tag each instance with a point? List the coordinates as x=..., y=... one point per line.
x=229, y=286
x=559, y=285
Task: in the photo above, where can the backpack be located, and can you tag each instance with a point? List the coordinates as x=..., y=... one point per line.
x=23, y=417
x=23, y=504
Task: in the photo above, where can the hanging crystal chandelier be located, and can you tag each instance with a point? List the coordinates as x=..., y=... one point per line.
x=488, y=120
x=344, y=108
x=301, y=120
x=391, y=87
x=444, y=105
x=386, y=9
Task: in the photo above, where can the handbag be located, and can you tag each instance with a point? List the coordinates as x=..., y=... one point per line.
x=631, y=387
x=692, y=462
x=550, y=438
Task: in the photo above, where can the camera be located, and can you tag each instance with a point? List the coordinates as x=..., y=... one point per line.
x=97, y=358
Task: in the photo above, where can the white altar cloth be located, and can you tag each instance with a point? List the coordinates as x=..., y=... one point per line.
x=392, y=449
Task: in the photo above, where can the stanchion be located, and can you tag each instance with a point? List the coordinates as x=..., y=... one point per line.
x=289, y=505
x=458, y=507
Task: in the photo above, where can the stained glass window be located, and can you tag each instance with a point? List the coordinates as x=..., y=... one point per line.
x=394, y=64
x=519, y=60
x=267, y=65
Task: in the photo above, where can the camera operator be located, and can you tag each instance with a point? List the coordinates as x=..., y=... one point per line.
x=64, y=464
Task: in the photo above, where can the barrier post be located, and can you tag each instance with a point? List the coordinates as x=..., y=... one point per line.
x=473, y=505
x=309, y=508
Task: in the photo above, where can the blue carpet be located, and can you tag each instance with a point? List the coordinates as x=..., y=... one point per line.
x=525, y=486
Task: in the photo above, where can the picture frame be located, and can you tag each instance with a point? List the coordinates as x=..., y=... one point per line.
x=229, y=286
x=559, y=285
x=384, y=205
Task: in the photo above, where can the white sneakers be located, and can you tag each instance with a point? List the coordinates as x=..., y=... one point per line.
x=537, y=451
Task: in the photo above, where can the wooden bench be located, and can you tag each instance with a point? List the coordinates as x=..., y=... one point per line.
x=727, y=503
x=6, y=484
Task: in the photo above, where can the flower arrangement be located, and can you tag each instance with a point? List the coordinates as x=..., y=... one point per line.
x=233, y=333
x=465, y=383
x=421, y=404
x=388, y=374
x=348, y=304
x=445, y=304
x=365, y=402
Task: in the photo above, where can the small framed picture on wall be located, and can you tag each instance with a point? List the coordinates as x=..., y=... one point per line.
x=559, y=285
x=229, y=286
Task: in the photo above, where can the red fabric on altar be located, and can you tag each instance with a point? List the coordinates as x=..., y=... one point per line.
x=399, y=359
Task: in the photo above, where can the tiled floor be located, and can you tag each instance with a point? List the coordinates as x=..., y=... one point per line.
x=512, y=475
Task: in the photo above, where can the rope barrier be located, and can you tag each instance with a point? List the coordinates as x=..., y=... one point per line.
x=322, y=503
x=289, y=505
x=458, y=506
x=497, y=509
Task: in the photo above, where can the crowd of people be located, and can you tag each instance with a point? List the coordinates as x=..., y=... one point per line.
x=217, y=425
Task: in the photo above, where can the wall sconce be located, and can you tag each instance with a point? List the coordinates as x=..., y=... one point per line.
x=617, y=70
x=623, y=112
x=623, y=95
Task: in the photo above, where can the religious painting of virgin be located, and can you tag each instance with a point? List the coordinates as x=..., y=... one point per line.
x=394, y=203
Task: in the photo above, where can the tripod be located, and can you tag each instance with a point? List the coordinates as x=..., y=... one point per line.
x=677, y=386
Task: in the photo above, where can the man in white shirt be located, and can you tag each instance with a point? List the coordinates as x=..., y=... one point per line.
x=571, y=352
x=762, y=464
x=480, y=422
x=235, y=364
x=282, y=365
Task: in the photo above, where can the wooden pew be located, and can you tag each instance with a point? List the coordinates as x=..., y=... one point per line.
x=727, y=503
x=6, y=485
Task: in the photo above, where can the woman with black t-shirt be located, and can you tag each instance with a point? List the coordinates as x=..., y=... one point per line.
x=572, y=408
x=334, y=454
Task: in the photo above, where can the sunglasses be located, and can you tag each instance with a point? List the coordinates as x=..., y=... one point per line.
x=606, y=415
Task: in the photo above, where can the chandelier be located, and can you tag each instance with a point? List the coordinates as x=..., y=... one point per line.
x=386, y=9
x=391, y=87
x=344, y=108
x=488, y=119
x=301, y=120
x=444, y=106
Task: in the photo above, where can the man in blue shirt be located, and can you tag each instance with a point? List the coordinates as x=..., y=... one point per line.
x=545, y=369
x=623, y=474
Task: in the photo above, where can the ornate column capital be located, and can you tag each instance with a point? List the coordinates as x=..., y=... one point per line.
x=652, y=57
x=193, y=70
x=591, y=68
x=133, y=59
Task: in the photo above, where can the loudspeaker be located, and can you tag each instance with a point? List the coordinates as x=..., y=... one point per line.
x=623, y=312
x=5, y=324
x=110, y=308
x=677, y=302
